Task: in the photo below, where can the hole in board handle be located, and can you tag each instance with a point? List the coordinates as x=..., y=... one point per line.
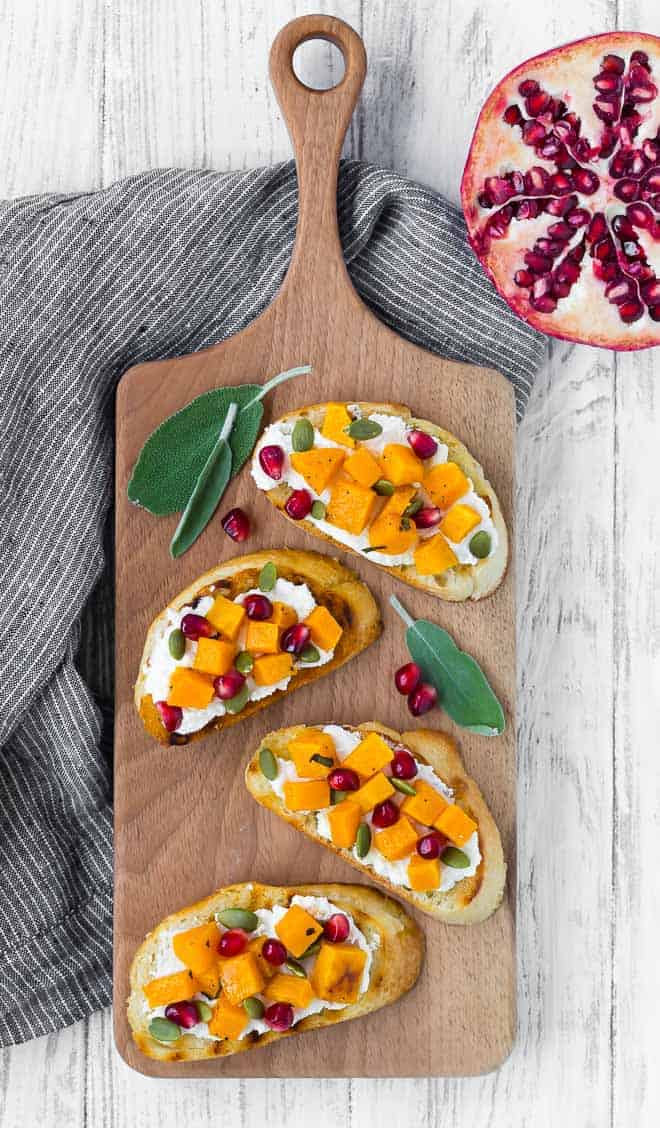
x=318, y=64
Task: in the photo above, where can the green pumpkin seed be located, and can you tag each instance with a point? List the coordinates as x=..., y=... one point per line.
x=480, y=544
x=374, y=548
x=204, y=1011
x=326, y=761
x=405, y=523
x=401, y=785
x=309, y=654
x=312, y=950
x=363, y=429
x=318, y=511
x=383, y=487
x=363, y=840
x=337, y=797
x=244, y=662
x=254, y=1007
x=303, y=436
x=238, y=701
x=268, y=577
x=163, y=1030
x=268, y=764
x=414, y=507
x=177, y=644
x=295, y=968
x=455, y=858
x=238, y=918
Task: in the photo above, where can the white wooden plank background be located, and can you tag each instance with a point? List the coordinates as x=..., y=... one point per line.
x=96, y=89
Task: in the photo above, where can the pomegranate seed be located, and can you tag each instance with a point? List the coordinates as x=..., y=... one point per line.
x=538, y=102
x=431, y=845
x=577, y=217
x=429, y=515
x=385, y=814
x=567, y=271
x=654, y=312
x=560, y=230
x=279, y=1016
x=499, y=189
x=196, y=626
x=626, y=190
x=651, y=292
x=170, y=715
x=536, y=180
x=273, y=952
x=236, y=524
x=258, y=607
x=560, y=183
x=533, y=132
x=227, y=685
x=640, y=215
x=295, y=639
x=559, y=205
x=343, y=779
x=407, y=677
x=631, y=311
x=608, y=82
x=298, y=506
x=512, y=115
x=422, y=698
x=403, y=765
x=597, y=228
x=233, y=942
x=271, y=460
x=521, y=278
x=336, y=929
x=539, y=264
x=184, y=1014
x=424, y=445
x=544, y=304
x=527, y=209
x=639, y=57
x=614, y=63
x=585, y=181
x=527, y=87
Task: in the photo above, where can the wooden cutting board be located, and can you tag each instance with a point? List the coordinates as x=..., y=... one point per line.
x=184, y=823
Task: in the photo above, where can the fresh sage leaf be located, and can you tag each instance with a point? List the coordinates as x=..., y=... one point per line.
x=362, y=429
x=207, y=491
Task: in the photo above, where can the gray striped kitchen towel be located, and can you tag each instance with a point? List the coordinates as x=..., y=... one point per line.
x=163, y=263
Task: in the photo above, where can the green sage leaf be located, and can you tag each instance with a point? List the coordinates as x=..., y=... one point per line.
x=207, y=491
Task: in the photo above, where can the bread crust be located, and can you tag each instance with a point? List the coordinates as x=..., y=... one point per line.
x=466, y=581
x=396, y=962
x=330, y=582
x=471, y=900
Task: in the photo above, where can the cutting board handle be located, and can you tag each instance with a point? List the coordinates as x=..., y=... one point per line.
x=317, y=121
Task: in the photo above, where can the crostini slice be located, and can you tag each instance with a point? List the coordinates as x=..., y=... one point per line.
x=397, y=806
x=255, y=963
x=244, y=634
x=402, y=492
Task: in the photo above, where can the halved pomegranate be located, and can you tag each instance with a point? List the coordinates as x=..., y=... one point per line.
x=561, y=190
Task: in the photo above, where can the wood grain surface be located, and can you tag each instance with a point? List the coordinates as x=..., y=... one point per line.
x=94, y=91
x=184, y=822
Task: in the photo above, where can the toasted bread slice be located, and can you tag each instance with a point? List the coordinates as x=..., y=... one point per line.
x=464, y=581
x=473, y=898
x=396, y=942
x=332, y=585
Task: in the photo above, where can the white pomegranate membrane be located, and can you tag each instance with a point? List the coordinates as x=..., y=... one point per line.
x=561, y=190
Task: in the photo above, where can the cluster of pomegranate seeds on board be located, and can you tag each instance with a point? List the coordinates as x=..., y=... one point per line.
x=422, y=696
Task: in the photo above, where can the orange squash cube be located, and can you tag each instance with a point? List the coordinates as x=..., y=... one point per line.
x=262, y=637
x=309, y=743
x=370, y=756
x=434, y=556
x=209, y=981
x=337, y=972
x=214, y=656
x=240, y=977
x=426, y=805
x=455, y=825
x=423, y=873
x=395, y=842
x=227, y=1021
x=388, y=531
x=324, y=628
x=318, y=466
x=272, y=668
x=374, y=791
x=401, y=465
x=445, y=483
x=362, y=466
x=289, y=989
x=226, y=616
x=460, y=521
x=308, y=795
x=283, y=615
x=255, y=946
x=344, y=820
x=351, y=506
x=190, y=689
x=297, y=929
x=337, y=419
x=171, y=989
x=197, y=947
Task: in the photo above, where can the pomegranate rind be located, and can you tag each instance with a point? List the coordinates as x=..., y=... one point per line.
x=566, y=72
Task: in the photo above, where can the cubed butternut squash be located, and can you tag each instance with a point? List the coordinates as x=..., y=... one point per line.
x=374, y=791
x=426, y=805
x=351, y=506
x=391, y=532
x=226, y=616
x=318, y=466
x=289, y=989
x=434, y=556
x=337, y=419
x=214, y=656
x=337, y=973
x=344, y=820
x=324, y=628
x=227, y=1021
x=370, y=756
x=240, y=977
x=445, y=483
x=197, y=947
x=255, y=946
x=460, y=521
x=262, y=637
x=309, y=743
x=297, y=929
x=423, y=873
x=171, y=989
x=272, y=668
x=306, y=795
x=455, y=824
x=283, y=615
x=400, y=464
x=190, y=689
x=362, y=466
x=396, y=842
x=209, y=981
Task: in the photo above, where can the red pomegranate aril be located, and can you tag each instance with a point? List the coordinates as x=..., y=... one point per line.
x=512, y=115
x=640, y=215
x=273, y=952
x=295, y=638
x=236, y=524
x=597, y=228
x=184, y=1014
x=527, y=87
x=654, y=312
x=170, y=715
x=631, y=311
x=542, y=286
x=568, y=271
x=423, y=698
x=522, y=278
x=343, y=779
x=196, y=626
x=622, y=227
x=560, y=230
x=258, y=607
x=613, y=63
x=385, y=814
x=585, y=181
x=545, y=304
x=407, y=677
x=279, y=1016
x=626, y=190
x=299, y=505
x=608, y=82
x=233, y=942
x=429, y=846
x=561, y=184
x=559, y=205
x=499, y=189
x=603, y=249
x=651, y=150
x=619, y=290
x=485, y=200
x=429, y=515
x=271, y=460
x=403, y=764
x=527, y=209
x=651, y=292
x=652, y=182
x=423, y=444
x=641, y=58
x=536, y=180
x=228, y=685
x=336, y=929
x=606, y=271
x=539, y=264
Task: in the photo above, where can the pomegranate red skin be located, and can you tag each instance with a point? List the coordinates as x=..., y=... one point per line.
x=170, y=715
x=228, y=685
x=343, y=779
x=233, y=942
x=271, y=460
x=336, y=929
x=295, y=638
x=184, y=1014
x=258, y=607
x=579, y=69
x=407, y=678
x=403, y=764
x=422, y=699
x=299, y=505
x=279, y=1016
x=385, y=814
x=236, y=524
x=274, y=952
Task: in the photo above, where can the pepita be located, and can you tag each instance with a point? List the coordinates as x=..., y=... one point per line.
x=363, y=429
x=326, y=761
x=254, y=1007
x=480, y=544
x=239, y=701
x=268, y=764
x=312, y=950
x=163, y=1030
x=337, y=797
x=383, y=487
x=403, y=786
x=244, y=662
x=295, y=968
x=363, y=840
x=455, y=858
x=204, y=1011
x=268, y=577
x=318, y=510
x=309, y=654
x=302, y=437
x=238, y=918
x=177, y=643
